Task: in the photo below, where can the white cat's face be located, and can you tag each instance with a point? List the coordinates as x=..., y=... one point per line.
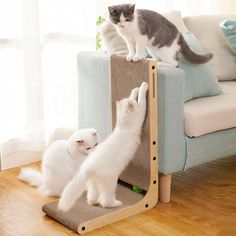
x=84, y=140
x=127, y=110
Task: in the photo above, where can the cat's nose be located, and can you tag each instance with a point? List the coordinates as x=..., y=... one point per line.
x=122, y=26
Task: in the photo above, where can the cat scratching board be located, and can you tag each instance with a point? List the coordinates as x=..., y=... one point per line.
x=142, y=171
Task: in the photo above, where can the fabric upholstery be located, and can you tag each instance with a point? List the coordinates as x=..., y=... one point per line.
x=206, y=28
x=228, y=28
x=210, y=146
x=176, y=18
x=200, y=80
x=206, y=115
x=94, y=108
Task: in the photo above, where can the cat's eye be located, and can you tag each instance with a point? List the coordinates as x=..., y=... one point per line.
x=127, y=20
x=88, y=148
x=114, y=13
x=95, y=144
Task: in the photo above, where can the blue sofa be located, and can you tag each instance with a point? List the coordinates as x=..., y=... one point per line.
x=177, y=151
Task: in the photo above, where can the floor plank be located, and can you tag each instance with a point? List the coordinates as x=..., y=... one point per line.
x=203, y=202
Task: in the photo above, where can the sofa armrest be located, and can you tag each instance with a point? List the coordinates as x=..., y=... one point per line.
x=172, y=148
x=94, y=104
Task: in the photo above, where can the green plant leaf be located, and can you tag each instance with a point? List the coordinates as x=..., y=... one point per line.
x=136, y=189
x=100, y=20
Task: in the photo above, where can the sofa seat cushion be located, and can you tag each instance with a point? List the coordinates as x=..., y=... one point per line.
x=210, y=114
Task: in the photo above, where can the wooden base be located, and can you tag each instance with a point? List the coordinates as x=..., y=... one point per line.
x=164, y=188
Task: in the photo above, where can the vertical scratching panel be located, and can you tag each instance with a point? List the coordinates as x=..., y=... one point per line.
x=142, y=171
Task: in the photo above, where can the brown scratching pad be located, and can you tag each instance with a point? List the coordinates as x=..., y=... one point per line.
x=142, y=171
x=124, y=79
x=83, y=212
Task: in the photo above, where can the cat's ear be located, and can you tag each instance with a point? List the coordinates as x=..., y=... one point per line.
x=94, y=133
x=80, y=142
x=130, y=106
x=111, y=10
x=131, y=8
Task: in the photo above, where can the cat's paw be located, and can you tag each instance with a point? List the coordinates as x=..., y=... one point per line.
x=117, y=203
x=134, y=93
x=110, y=203
x=92, y=202
x=64, y=205
x=137, y=57
x=129, y=57
x=144, y=86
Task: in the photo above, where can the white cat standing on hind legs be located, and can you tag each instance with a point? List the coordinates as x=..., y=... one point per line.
x=100, y=171
x=61, y=162
x=144, y=29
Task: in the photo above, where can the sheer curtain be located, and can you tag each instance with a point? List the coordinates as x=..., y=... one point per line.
x=187, y=7
x=39, y=41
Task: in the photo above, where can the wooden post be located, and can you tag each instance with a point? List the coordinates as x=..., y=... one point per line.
x=165, y=187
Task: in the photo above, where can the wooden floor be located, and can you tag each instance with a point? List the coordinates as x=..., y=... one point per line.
x=203, y=203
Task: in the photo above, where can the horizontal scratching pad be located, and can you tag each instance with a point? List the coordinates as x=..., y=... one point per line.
x=82, y=212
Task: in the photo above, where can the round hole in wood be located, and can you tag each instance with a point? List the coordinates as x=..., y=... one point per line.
x=154, y=182
x=154, y=158
x=146, y=205
x=154, y=142
x=153, y=67
x=83, y=228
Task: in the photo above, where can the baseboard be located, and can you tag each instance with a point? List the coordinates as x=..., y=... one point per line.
x=18, y=159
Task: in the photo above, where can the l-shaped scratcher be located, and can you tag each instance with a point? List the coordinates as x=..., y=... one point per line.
x=142, y=171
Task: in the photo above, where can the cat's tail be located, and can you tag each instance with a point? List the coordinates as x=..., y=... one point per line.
x=190, y=55
x=31, y=176
x=73, y=190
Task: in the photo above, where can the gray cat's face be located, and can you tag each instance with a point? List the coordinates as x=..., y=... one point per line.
x=121, y=14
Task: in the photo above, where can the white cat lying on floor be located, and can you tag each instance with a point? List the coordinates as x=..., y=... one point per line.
x=100, y=171
x=61, y=162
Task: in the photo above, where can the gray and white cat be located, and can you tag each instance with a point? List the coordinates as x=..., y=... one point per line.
x=100, y=171
x=61, y=162
x=145, y=29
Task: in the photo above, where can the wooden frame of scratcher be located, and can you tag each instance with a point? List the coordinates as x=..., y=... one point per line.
x=123, y=77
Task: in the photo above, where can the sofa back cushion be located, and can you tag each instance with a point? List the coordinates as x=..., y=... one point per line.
x=206, y=28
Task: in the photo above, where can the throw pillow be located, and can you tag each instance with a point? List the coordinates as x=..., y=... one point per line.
x=200, y=81
x=228, y=28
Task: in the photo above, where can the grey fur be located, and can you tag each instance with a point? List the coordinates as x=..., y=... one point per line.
x=190, y=55
x=156, y=26
x=126, y=9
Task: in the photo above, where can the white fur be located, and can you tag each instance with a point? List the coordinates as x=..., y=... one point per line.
x=61, y=162
x=167, y=55
x=137, y=43
x=100, y=171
